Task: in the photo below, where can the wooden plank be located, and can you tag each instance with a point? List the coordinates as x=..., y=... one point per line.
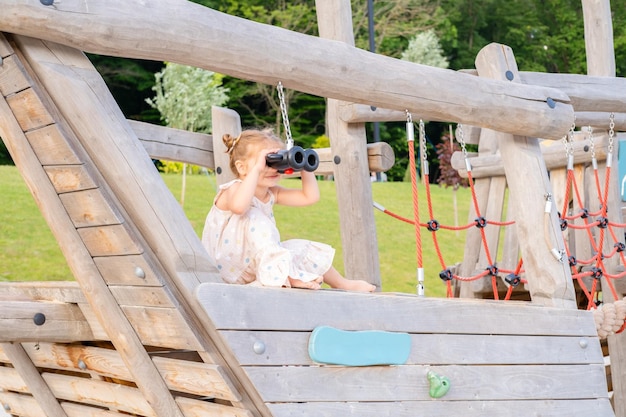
x=63, y=322
x=132, y=270
x=21, y=405
x=427, y=349
x=90, y=208
x=12, y=79
x=142, y=296
x=100, y=393
x=196, y=408
x=91, y=316
x=380, y=158
x=409, y=383
x=3, y=356
x=78, y=358
x=51, y=147
x=543, y=408
x=549, y=279
x=5, y=47
x=113, y=240
x=175, y=144
x=29, y=110
x=351, y=175
x=163, y=327
x=37, y=385
x=203, y=379
x=59, y=291
x=69, y=178
x=274, y=310
x=306, y=63
x=362, y=113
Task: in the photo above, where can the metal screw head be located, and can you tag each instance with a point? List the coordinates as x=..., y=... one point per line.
x=6, y=407
x=46, y=2
x=583, y=343
x=39, y=319
x=509, y=75
x=82, y=365
x=337, y=159
x=139, y=273
x=258, y=347
x=218, y=170
x=551, y=103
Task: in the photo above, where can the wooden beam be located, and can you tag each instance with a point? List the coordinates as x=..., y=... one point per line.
x=549, y=279
x=59, y=322
x=188, y=33
x=352, y=177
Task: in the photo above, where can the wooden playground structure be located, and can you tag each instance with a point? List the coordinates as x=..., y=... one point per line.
x=148, y=329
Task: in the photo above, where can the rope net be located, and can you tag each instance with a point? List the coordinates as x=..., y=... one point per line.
x=574, y=215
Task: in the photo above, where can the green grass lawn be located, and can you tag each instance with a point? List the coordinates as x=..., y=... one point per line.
x=28, y=250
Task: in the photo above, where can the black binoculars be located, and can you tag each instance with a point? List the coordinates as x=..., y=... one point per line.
x=288, y=161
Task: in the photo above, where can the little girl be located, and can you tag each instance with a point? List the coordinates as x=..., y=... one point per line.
x=240, y=232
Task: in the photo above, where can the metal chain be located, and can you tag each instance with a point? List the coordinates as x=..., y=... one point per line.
x=611, y=131
x=422, y=133
x=591, y=142
x=285, y=117
x=460, y=137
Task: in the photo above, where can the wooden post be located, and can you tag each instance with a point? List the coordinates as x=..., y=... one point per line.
x=601, y=62
x=223, y=121
x=549, y=280
x=352, y=178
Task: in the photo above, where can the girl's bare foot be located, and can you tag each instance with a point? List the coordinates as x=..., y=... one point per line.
x=357, y=285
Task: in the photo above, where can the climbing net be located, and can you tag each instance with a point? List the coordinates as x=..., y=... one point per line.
x=575, y=215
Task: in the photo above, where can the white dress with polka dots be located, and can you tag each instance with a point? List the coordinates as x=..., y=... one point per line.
x=247, y=248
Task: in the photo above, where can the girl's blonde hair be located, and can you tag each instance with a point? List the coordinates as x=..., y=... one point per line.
x=248, y=142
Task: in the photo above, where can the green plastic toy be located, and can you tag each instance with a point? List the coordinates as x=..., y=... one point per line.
x=439, y=385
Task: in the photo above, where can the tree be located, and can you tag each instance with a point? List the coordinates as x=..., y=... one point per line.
x=184, y=97
x=424, y=48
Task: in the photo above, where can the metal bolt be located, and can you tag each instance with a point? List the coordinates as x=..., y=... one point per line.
x=337, y=159
x=218, y=170
x=47, y=2
x=6, y=407
x=583, y=343
x=39, y=319
x=139, y=273
x=509, y=75
x=82, y=365
x=258, y=347
x=551, y=103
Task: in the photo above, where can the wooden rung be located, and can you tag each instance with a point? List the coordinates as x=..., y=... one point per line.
x=59, y=322
x=59, y=291
x=131, y=270
x=68, y=178
x=90, y=208
x=197, y=408
x=164, y=327
x=109, y=241
x=100, y=393
x=51, y=147
x=203, y=379
x=141, y=296
x=21, y=405
x=29, y=110
x=12, y=78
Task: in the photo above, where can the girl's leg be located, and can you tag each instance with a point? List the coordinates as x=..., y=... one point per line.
x=334, y=279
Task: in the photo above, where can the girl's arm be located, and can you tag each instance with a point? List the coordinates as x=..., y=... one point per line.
x=307, y=195
x=238, y=197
